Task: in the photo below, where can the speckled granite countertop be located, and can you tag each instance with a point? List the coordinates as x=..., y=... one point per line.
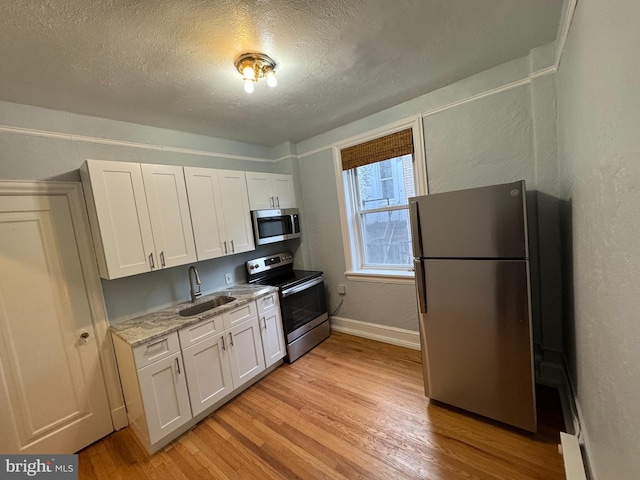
x=156, y=324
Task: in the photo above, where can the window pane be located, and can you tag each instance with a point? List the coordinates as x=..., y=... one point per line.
x=386, y=238
x=386, y=184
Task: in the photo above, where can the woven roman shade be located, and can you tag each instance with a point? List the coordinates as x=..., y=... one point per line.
x=383, y=148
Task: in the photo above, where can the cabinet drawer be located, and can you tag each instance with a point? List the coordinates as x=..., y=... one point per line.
x=156, y=349
x=199, y=331
x=239, y=315
x=267, y=303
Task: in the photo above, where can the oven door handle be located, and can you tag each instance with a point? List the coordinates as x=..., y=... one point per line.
x=303, y=286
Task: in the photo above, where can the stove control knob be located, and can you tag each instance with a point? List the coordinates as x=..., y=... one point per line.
x=255, y=266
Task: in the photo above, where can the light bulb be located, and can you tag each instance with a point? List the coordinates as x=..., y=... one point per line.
x=247, y=72
x=272, y=81
x=248, y=85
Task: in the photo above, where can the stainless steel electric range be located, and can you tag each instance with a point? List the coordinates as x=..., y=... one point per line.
x=302, y=301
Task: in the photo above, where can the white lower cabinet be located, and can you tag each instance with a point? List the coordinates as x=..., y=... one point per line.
x=171, y=380
x=245, y=352
x=271, y=329
x=208, y=372
x=164, y=395
x=221, y=362
x=154, y=386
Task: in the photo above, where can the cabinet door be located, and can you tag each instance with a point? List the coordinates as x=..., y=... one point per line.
x=169, y=213
x=235, y=206
x=119, y=218
x=283, y=191
x=246, y=353
x=260, y=191
x=272, y=336
x=208, y=372
x=164, y=395
x=207, y=217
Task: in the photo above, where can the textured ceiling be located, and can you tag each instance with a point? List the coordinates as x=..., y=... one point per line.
x=169, y=63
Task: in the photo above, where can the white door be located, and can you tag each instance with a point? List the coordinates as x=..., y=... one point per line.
x=206, y=211
x=52, y=390
x=235, y=204
x=169, y=213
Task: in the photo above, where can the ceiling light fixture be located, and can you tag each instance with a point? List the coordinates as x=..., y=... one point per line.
x=253, y=67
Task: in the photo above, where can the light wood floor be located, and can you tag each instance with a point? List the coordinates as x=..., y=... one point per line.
x=351, y=408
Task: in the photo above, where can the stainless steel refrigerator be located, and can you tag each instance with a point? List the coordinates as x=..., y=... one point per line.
x=473, y=283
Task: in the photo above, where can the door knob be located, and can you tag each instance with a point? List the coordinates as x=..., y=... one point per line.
x=83, y=337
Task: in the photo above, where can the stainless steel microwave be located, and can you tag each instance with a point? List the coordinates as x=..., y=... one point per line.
x=270, y=226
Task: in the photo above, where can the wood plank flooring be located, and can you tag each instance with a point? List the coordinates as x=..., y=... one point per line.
x=351, y=408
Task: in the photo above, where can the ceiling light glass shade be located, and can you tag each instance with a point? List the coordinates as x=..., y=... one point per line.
x=272, y=81
x=253, y=67
x=247, y=72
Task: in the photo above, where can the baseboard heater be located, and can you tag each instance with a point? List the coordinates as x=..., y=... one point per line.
x=572, y=457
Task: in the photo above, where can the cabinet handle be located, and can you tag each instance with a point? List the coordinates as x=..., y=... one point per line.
x=225, y=247
x=178, y=366
x=151, y=262
x=272, y=202
x=162, y=259
x=264, y=322
x=224, y=347
x=278, y=202
x=231, y=338
x=149, y=345
x=233, y=248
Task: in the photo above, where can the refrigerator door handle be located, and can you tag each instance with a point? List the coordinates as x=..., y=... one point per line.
x=416, y=237
x=421, y=291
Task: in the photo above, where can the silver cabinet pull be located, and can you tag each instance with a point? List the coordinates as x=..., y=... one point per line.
x=225, y=247
x=149, y=345
x=162, y=259
x=264, y=322
x=231, y=338
x=278, y=202
x=233, y=248
x=151, y=262
x=224, y=347
x=178, y=366
x=272, y=202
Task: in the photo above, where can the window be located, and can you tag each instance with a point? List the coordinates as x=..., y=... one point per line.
x=379, y=175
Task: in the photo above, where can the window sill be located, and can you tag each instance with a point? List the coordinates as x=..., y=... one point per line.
x=381, y=276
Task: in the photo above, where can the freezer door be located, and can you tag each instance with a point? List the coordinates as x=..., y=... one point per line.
x=477, y=338
x=486, y=222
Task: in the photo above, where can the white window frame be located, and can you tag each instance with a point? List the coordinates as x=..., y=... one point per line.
x=346, y=202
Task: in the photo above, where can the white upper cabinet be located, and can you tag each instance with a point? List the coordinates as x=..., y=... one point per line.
x=270, y=190
x=219, y=211
x=139, y=222
x=169, y=213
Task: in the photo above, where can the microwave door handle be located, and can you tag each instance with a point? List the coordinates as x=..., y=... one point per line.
x=298, y=288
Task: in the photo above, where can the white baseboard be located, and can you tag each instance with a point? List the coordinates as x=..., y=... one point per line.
x=574, y=423
x=373, y=331
x=119, y=418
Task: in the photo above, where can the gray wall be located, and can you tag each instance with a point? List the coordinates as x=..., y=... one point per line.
x=53, y=148
x=599, y=145
x=505, y=132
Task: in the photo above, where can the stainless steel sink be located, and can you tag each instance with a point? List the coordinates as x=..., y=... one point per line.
x=204, y=306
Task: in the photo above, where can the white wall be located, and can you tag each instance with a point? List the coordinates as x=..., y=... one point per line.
x=599, y=150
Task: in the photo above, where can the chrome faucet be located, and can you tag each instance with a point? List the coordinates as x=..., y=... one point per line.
x=194, y=294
